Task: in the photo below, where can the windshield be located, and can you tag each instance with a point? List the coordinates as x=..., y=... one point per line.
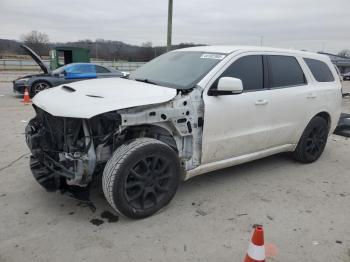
x=178, y=69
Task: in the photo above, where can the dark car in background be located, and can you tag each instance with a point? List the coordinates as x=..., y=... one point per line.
x=65, y=74
x=346, y=76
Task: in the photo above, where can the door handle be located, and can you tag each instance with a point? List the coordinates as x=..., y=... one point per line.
x=311, y=96
x=261, y=102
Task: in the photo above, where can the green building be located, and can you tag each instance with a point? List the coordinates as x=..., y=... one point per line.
x=62, y=55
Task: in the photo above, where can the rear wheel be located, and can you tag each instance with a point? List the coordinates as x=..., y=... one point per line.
x=312, y=141
x=141, y=177
x=37, y=87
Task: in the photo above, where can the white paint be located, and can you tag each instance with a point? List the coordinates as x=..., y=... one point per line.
x=115, y=93
x=230, y=84
x=242, y=127
x=256, y=252
x=209, y=167
x=237, y=128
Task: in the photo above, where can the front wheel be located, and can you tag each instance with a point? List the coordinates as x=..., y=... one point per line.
x=141, y=177
x=37, y=87
x=313, y=141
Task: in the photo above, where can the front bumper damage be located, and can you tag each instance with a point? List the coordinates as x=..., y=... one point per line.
x=63, y=155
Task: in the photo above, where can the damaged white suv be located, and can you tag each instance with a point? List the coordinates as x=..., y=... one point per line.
x=185, y=113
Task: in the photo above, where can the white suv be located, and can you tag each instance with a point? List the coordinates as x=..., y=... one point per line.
x=185, y=113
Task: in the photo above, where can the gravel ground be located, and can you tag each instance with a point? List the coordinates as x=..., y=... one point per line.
x=305, y=209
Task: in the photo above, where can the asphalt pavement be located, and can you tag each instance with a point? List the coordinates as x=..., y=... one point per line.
x=305, y=209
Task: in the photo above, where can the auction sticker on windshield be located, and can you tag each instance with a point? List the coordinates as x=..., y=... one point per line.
x=213, y=56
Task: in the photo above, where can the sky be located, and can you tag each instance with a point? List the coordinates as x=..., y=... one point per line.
x=315, y=25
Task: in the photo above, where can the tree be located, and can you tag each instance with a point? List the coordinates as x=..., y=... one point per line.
x=146, y=52
x=146, y=44
x=37, y=41
x=344, y=52
x=117, y=50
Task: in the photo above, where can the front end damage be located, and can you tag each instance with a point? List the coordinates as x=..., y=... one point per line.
x=68, y=153
x=64, y=156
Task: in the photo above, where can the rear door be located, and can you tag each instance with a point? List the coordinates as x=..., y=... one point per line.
x=290, y=98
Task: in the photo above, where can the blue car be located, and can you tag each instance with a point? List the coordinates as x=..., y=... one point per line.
x=63, y=75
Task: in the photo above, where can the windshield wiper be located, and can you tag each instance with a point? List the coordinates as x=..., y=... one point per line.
x=145, y=80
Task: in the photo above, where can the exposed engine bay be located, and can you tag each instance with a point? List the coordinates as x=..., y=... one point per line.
x=68, y=153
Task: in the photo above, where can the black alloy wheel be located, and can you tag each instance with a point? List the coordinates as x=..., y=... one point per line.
x=316, y=141
x=38, y=87
x=141, y=177
x=313, y=141
x=148, y=182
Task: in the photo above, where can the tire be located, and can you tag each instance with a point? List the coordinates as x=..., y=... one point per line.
x=141, y=177
x=313, y=141
x=37, y=87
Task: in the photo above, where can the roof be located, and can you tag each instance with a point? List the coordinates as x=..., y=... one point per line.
x=63, y=48
x=230, y=49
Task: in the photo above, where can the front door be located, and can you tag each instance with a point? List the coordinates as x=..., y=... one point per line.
x=236, y=125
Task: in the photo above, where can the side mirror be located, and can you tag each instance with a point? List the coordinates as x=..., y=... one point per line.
x=227, y=86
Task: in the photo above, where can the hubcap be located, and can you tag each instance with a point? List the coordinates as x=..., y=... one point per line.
x=40, y=87
x=316, y=141
x=148, y=182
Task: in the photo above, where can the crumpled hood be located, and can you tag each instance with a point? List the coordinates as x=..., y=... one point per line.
x=85, y=99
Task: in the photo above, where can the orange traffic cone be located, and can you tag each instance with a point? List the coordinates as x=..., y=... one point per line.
x=26, y=99
x=256, y=249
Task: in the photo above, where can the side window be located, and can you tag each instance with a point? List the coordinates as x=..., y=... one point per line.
x=101, y=70
x=320, y=70
x=285, y=71
x=80, y=69
x=249, y=69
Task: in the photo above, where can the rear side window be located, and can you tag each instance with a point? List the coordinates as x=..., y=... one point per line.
x=101, y=69
x=249, y=69
x=285, y=71
x=320, y=70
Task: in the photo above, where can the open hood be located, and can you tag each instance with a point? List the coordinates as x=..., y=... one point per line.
x=85, y=99
x=36, y=58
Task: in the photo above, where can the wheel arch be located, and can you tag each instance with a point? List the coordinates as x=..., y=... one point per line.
x=326, y=116
x=157, y=132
